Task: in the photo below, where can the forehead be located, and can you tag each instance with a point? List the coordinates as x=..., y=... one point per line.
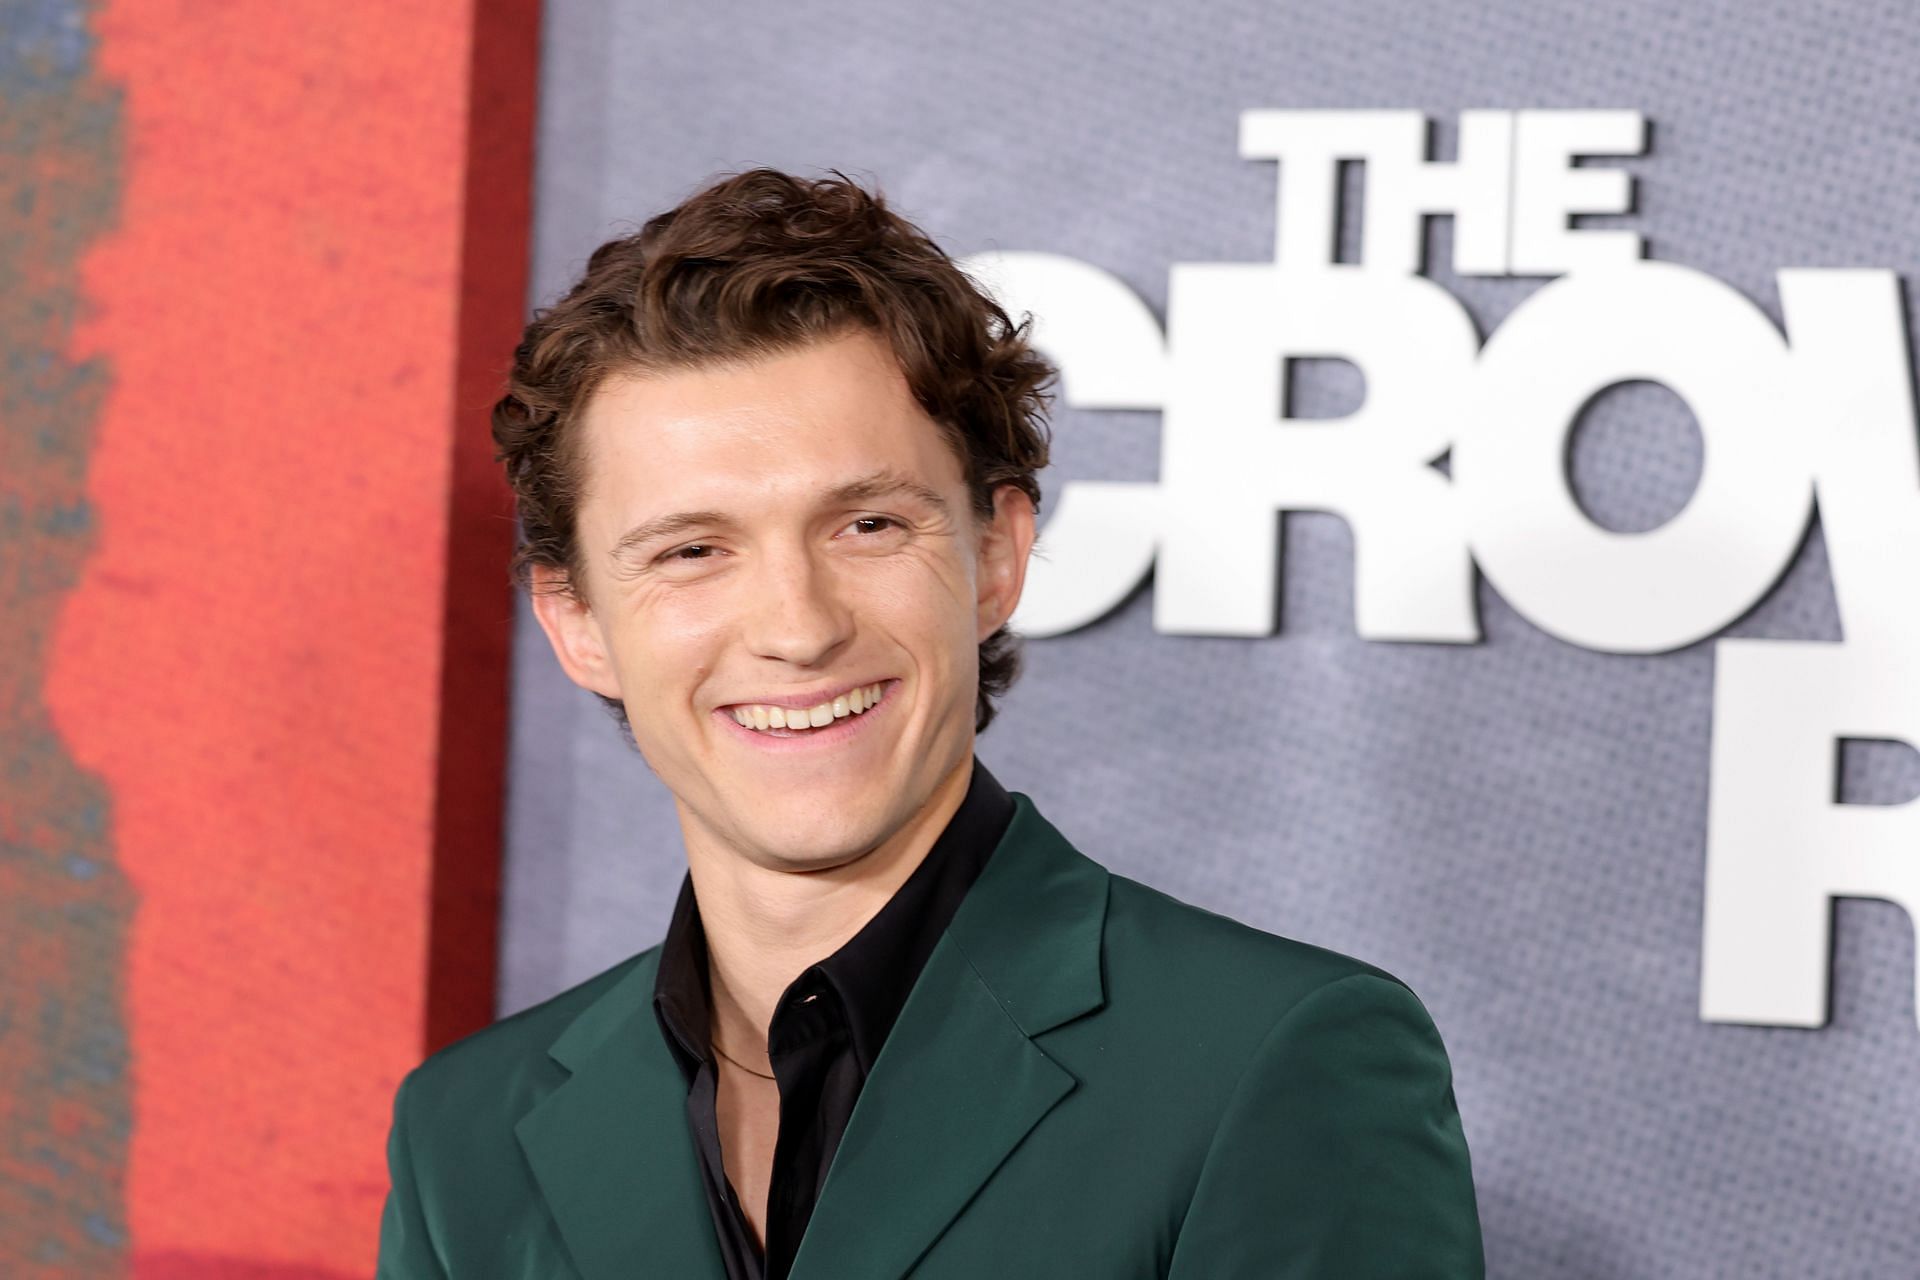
x=778, y=424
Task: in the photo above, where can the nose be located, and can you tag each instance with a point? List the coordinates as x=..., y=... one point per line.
x=796, y=613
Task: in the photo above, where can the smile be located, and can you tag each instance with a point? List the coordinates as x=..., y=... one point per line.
x=831, y=718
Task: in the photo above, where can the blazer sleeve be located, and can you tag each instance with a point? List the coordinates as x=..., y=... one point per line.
x=406, y=1250
x=1341, y=1154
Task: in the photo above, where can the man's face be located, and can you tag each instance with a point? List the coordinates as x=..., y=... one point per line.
x=777, y=534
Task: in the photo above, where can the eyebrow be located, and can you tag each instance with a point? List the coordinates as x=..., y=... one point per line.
x=885, y=483
x=875, y=484
x=664, y=527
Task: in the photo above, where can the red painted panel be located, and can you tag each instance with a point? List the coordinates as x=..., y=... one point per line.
x=300, y=309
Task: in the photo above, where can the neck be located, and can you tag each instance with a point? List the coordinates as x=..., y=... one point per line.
x=765, y=925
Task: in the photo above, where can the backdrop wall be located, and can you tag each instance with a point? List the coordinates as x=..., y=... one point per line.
x=1516, y=826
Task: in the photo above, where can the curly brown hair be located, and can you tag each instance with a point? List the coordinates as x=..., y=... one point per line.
x=757, y=264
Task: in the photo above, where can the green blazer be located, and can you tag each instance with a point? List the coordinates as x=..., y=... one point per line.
x=1089, y=1080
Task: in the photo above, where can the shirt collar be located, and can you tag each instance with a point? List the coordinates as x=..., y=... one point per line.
x=875, y=970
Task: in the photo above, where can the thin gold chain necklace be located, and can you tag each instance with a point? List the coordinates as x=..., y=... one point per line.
x=764, y=1075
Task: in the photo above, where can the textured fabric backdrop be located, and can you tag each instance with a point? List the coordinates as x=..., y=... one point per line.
x=1516, y=827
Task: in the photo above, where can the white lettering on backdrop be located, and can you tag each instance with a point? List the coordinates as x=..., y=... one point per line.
x=1822, y=416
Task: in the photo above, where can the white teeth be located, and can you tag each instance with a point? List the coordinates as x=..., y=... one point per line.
x=767, y=716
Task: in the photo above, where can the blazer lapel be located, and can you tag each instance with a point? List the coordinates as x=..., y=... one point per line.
x=611, y=1150
x=960, y=1081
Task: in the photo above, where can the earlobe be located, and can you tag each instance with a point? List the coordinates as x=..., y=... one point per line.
x=573, y=632
x=1005, y=545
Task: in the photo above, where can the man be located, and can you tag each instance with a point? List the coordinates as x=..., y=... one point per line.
x=775, y=461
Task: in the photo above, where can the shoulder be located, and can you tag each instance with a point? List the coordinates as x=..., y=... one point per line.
x=1193, y=947
x=1317, y=1117
x=506, y=1064
x=1171, y=974
x=1197, y=981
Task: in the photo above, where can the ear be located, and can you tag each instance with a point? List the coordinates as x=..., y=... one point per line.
x=1005, y=544
x=574, y=632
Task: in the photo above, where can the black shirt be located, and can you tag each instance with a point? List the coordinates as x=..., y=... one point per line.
x=826, y=1032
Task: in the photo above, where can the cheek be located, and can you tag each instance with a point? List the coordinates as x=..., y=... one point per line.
x=912, y=597
x=669, y=643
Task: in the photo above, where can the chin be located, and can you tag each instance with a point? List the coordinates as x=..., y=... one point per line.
x=801, y=834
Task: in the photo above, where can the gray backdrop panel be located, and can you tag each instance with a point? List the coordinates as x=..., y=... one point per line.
x=1516, y=827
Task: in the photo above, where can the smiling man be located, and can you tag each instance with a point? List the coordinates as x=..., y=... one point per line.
x=775, y=460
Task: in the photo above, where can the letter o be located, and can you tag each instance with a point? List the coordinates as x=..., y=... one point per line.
x=1685, y=580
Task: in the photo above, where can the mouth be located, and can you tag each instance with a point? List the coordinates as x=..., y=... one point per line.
x=837, y=720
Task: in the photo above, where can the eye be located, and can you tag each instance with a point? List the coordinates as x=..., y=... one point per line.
x=687, y=552
x=876, y=521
